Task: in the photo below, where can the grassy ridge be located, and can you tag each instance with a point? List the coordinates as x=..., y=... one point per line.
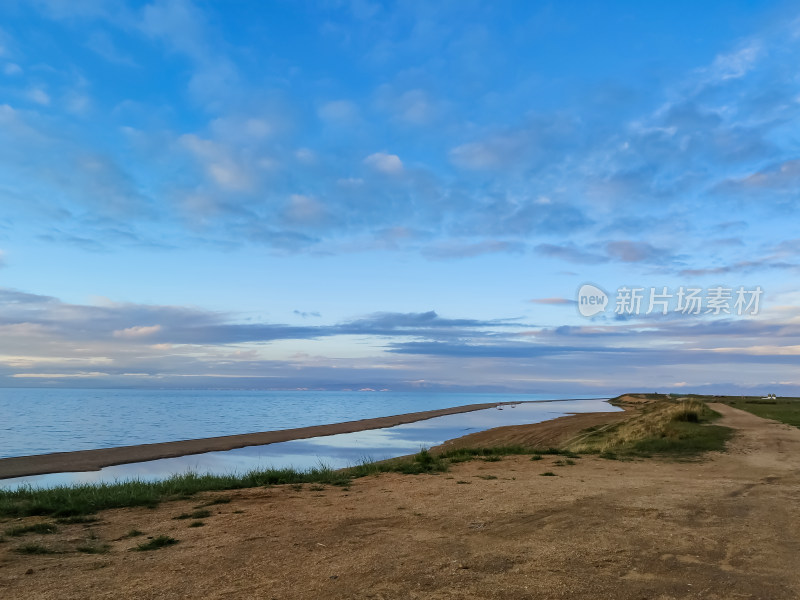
x=679, y=428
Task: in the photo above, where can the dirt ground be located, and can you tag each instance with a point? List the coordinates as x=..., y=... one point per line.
x=721, y=528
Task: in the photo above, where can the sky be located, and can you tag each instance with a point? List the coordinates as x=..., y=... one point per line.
x=400, y=195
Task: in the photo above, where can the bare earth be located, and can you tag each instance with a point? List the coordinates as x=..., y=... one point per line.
x=721, y=528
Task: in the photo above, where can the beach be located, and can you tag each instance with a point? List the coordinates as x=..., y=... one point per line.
x=721, y=526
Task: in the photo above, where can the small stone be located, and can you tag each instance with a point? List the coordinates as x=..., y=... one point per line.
x=29, y=572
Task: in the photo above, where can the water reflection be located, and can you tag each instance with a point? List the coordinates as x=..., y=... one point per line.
x=335, y=451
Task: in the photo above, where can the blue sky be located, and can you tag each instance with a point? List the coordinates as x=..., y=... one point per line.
x=399, y=195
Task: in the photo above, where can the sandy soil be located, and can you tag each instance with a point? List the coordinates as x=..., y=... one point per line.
x=721, y=528
x=94, y=460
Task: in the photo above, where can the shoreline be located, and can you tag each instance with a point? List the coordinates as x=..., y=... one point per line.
x=96, y=459
x=594, y=528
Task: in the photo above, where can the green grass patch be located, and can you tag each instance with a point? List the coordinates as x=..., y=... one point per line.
x=42, y=528
x=197, y=524
x=34, y=549
x=76, y=520
x=785, y=410
x=197, y=514
x=133, y=533
x=87, y=499
x=215, y=502
x=82, y=501
x=94, y=548
x=162, y=541
x=547, y=474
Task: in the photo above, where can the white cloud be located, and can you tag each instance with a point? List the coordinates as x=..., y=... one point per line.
x=78, y=103
x=385, y=163
x=305, y=155
x=72, y=9
x=218, y=163
x=762, y=350
x=81, y=375
x=304, y=210
x=474, y=155
x=183, y=27
x=338, y=111
x=138, y=332
x=12, y=69
x=242, y=128
x=350, y=182
x=101, y=44
x=39, y=96
x=414, y=106
x=179, y=23
x=736, y=64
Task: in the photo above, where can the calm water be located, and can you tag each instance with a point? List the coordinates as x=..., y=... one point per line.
x=38, y=421
x=336, y=451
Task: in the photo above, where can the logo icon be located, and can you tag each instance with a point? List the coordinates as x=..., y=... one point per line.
x=591, y=300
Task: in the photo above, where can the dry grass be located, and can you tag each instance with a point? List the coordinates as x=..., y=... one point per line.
x=656, y=428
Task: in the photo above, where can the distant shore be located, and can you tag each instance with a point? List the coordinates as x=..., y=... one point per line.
x=94, y=460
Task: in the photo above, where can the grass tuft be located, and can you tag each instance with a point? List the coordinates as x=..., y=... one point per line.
x=162, y=541
x=94, y=548
x=133, y=533
x=34, y=549
x=42, y=528
x=197, y=514
x=75, y=520
x=215, y=502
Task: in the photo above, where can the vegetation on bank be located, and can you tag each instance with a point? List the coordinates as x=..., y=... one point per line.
x=86, y=499
x=785, y=410
x=677, y=428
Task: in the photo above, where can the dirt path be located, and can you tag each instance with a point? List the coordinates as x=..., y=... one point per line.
x=723, y=528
